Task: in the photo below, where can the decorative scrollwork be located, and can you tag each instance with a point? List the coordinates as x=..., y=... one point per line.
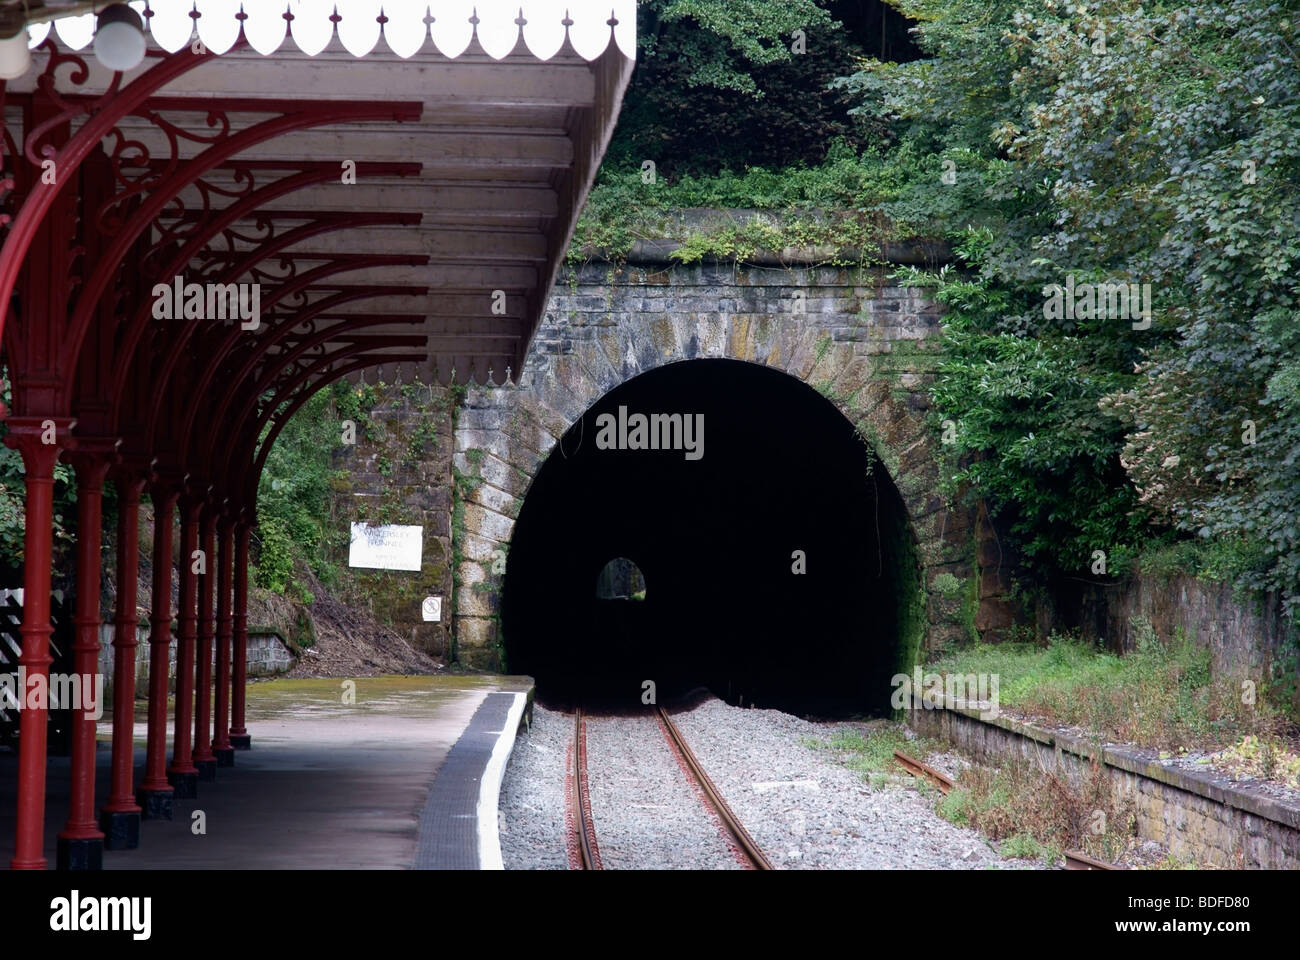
x=8, y=151
x=129, y=154
x=263, y=229
x=125, y=155
x=275, y=271
x=47, y=84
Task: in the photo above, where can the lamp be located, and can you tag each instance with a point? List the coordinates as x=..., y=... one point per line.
x=15, y=58
x=119, y=37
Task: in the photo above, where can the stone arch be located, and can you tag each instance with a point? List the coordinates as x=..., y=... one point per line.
x=866, y=345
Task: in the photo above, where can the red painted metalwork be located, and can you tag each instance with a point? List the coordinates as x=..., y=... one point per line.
x=266, y=339
x=155, y=793
x=33, y=352
x=221, y=721
x=121, y=800
x=105, y=111
x=180, y=342
x=203, y=401
x=30, y=436
x=236, y=381
x=252, y=395
x=193, y=169
x=81, y=842
x=299, y=393
x=203, y=758
x=239, y=738
x=182, y=773
x=317, y=225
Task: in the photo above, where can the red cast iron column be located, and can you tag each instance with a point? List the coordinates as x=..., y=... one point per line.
x=155, y=794
x=120, y=817
x=182, y=774
x=221, y=747
x=81, y=845
x=204, y=761
x=28, y=435
x=239, y=738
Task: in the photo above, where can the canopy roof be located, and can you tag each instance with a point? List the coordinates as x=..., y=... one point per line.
x=402, y=205
x=358, y=25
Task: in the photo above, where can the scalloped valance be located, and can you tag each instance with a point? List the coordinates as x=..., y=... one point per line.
x=405, y=25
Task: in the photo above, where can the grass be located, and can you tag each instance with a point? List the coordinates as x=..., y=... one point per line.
x=1031, y=813
x=873, y=754
x=1160, y=696
x=1266, y=758
x=1026, y=813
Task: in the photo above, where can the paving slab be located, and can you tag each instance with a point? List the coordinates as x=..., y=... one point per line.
x=339, y=777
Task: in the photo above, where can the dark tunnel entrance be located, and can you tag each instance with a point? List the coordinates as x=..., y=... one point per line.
x=714, y=541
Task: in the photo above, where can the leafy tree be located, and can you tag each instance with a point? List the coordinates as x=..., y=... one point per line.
x=718, y=85
x=1115, y=143
x=294, y=491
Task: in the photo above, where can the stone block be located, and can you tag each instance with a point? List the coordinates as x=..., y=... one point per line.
x=488, y=523
x=994, y=614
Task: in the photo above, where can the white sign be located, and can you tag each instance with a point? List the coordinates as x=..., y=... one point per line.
x=386, y=547
x=431, y=609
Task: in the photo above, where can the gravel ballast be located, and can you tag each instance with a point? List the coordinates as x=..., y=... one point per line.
x=645, y=812
x=800, y=804
x=805, y=810
x=531, y=808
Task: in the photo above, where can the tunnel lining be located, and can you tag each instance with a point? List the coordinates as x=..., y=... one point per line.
x=588, y=660
x=863, y=343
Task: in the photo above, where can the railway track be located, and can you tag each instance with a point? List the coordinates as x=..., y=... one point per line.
x=924, y=771
x=581, y=824
x=1078, y=860
x=582, y=828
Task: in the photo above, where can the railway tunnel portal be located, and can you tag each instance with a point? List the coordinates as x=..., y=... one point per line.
x=756, y=584
x=787, y=535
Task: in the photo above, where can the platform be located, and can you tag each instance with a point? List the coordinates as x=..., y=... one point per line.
x=395, y=780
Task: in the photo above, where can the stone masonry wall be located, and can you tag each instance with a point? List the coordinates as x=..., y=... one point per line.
x=399, y=472
x=863, y=342
x=267, y=656
x=1244, y=636
x=1192, y=813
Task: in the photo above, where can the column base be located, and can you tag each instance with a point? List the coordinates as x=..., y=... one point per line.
x=80, y=854
x=155, y=804
x=207, y=769
x=225, y=757
x=185, y=786
x=121, y=828
x=241, y=741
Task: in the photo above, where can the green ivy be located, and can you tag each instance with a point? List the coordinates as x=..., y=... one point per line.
x=1169, y=157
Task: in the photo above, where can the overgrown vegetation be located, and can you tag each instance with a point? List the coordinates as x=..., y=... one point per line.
x=872, y=753
x=1027, y=812
x=1135, y=145
x=293, y=501
x=1049, y=144
x=1035, y=813
x=734, y=83
x=1160, y=696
